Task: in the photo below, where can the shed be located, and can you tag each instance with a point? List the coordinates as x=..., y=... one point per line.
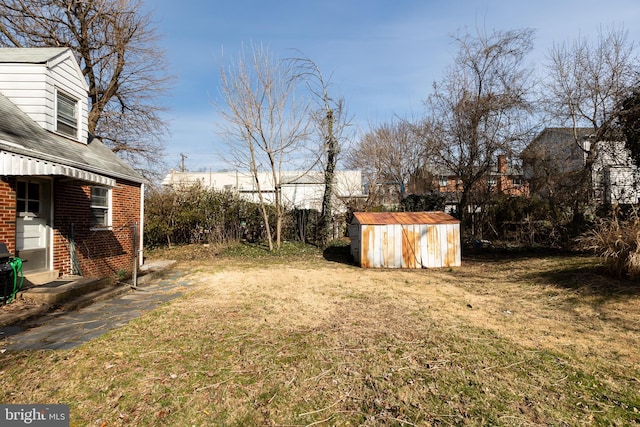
x=405, y=239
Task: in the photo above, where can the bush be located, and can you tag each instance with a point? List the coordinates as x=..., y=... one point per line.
x=197, y=215
x=423, y=202
x=617, y=241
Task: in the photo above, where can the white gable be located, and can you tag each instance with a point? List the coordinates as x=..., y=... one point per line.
x=32, y=78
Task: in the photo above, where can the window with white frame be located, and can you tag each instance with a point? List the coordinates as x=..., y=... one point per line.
x=66, y=115
x=100, y=207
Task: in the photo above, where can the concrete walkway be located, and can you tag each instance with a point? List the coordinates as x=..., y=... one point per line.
x=68, y=329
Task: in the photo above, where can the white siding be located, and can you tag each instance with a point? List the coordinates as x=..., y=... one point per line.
x=26, y=86
x=64, y=76
x=32, y=87
x=614, y=174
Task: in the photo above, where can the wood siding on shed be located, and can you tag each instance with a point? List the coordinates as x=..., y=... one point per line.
x=407, y=245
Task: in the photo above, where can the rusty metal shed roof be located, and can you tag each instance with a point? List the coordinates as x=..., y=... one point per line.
x=382, y=218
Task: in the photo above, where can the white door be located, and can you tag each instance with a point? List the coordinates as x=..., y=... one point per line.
x=33, y=209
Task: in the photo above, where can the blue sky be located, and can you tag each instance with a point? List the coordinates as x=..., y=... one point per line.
x=382, y=56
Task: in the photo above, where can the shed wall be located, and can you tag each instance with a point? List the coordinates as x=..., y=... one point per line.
x=407, y=245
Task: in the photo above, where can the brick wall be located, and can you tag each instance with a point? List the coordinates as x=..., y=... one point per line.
x=98, y=252
x=8, y=213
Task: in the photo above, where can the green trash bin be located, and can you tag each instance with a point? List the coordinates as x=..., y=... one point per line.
x=11, y=277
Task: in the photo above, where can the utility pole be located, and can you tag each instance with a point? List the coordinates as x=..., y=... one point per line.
x=182, y=162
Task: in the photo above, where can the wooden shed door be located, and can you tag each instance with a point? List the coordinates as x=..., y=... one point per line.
x=33, y=208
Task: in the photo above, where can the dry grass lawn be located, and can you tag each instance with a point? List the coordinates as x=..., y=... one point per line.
x=300, y=340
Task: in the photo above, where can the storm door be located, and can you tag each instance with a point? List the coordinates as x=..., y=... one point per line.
x=33, y=212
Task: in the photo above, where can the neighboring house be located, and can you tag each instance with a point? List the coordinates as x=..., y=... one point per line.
x=503, y=178
x=508, y=179
x=556, y=157
x=301, y=190
x=68, y=204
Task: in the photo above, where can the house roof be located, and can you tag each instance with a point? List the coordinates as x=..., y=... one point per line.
x=405, y=218
x=48, y=56
x=513, y=169
x=580, y=132
x=32, y=55
x=563, y=133
x=298, y=178
x=21, y=136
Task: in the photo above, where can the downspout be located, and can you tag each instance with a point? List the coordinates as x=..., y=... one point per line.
x=138, y=240
x=134, y=278
x=141, y=229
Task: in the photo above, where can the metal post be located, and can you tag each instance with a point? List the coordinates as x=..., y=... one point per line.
x=134, y=278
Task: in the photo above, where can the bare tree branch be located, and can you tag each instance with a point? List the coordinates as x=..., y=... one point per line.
x=587, y=85
x=117, y=49
x=480, y=108
x=330, y=121
x=265, y=124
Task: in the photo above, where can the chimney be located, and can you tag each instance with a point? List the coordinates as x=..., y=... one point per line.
x=502, y=163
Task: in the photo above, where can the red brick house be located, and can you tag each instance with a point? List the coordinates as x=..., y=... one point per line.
x=502, y=178
x=68, y=204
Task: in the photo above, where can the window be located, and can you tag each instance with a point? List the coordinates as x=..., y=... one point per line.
x=28, y=198
x=66, y=115
x=443, y=181
x=100, y=202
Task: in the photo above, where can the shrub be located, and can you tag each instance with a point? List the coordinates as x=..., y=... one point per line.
x=617, y=241
x=194, y=214
x=423, y=202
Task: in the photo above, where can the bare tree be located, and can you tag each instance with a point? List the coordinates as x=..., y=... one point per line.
x=390, y=155
x=331, y=122
x=264, y=124
x=479, y=109
x=586, y=87
x=629, y=122
x=116, y=47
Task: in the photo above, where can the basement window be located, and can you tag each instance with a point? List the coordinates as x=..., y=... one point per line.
x=100, y=207
x=66, y=115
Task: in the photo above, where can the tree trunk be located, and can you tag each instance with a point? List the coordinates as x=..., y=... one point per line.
x=326, y=216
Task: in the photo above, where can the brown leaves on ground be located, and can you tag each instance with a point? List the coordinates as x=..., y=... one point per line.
x=506, y=341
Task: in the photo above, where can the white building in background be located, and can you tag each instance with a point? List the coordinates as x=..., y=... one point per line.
x=301, y=190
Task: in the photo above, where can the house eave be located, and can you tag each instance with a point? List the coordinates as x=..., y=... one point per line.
x=13, y=164
x=12, y=149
